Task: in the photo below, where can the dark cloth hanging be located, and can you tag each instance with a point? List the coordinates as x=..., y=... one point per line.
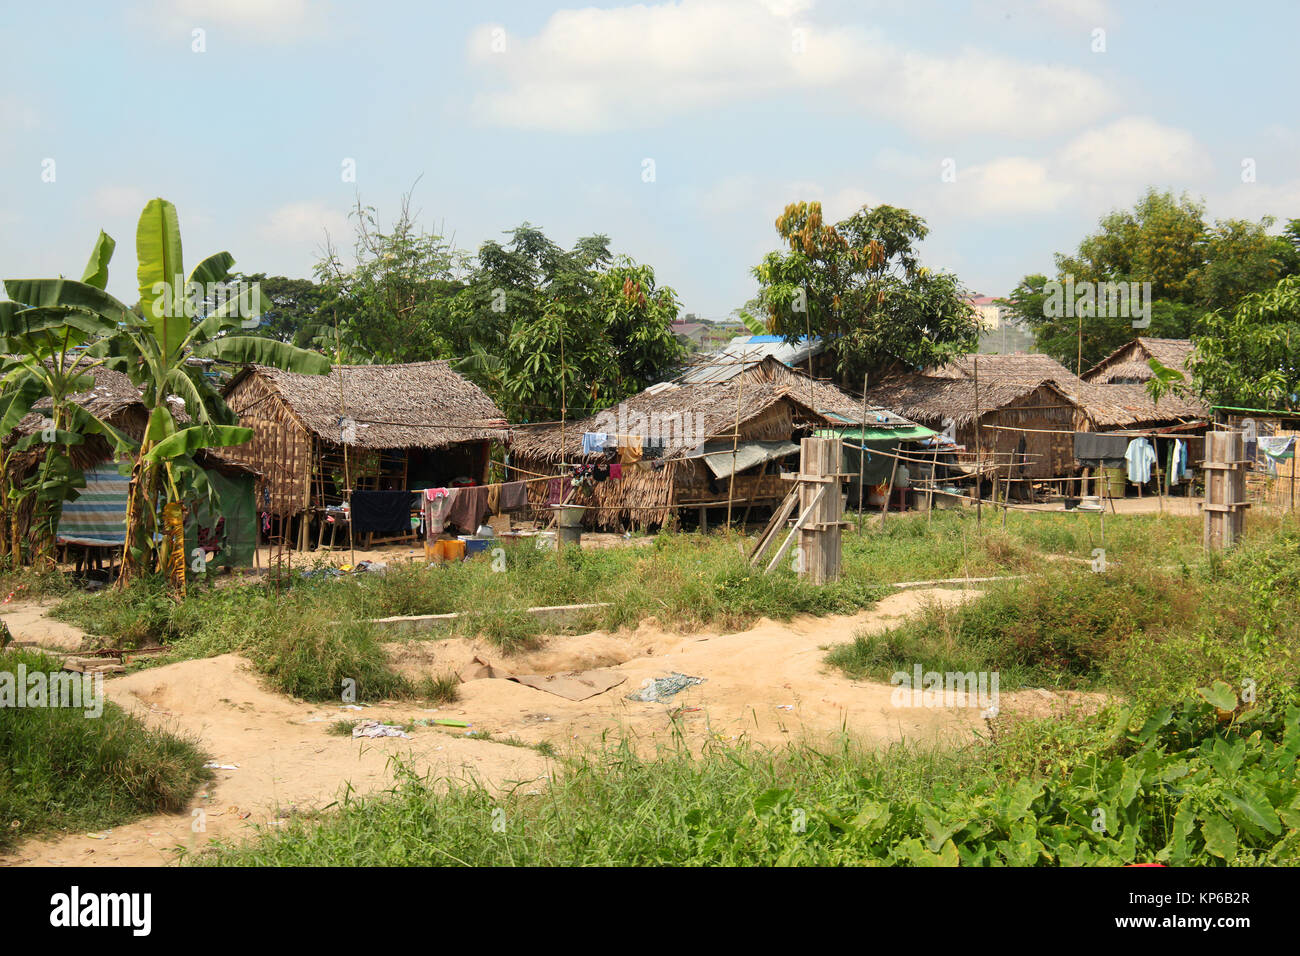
x=382, y=512
x=555, y=491
x=514, y=496
x=1097, y=447
x=468, y=508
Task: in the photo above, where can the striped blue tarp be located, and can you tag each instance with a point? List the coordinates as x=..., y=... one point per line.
x=97, y=516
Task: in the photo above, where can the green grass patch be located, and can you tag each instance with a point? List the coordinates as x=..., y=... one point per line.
x=62, y=770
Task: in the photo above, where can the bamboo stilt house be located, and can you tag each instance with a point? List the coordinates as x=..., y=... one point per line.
x=361, y=427
x=744, y=419
x=1044, y=411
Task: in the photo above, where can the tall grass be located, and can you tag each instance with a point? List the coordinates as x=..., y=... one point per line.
x=61, y=770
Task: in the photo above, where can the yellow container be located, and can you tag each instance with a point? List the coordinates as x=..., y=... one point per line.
x=1113, y=482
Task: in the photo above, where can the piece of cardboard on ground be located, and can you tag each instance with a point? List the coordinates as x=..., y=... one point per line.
x=575, y=685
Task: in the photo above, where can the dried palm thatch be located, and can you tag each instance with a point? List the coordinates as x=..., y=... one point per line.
x=417, y=405
x=679, y=416
x=1100, y=406
x=1127, y=365
x=113, y=398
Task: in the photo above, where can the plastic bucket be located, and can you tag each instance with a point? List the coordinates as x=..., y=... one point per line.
x=474, y=546
x=569, y=516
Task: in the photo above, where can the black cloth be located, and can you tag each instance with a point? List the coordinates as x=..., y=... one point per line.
x=1098, y=447
x=382, y=512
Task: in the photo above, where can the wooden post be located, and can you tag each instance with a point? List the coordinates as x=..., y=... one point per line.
x=1225, y=487
x=889, y=491
x=862, y=456
x=979, y=463
x=819, y=492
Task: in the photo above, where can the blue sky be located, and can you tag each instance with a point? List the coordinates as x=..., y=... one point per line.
x=508, y=112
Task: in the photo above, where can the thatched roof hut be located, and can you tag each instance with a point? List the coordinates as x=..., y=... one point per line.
x=1101, y=407
x=1128, y=364
x=944, y=402
x=368, y=427
x=696, y=424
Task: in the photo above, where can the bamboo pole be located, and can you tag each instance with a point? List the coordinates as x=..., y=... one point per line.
x=979, y=463
x=862, y=455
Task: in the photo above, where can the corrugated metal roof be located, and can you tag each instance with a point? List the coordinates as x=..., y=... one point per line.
x=745, y=351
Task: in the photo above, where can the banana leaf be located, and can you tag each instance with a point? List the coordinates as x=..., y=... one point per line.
x=250, y=350
x=96, y=273
x=187, y=441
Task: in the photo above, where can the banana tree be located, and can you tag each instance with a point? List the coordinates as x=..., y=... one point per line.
x=45, y=363
x=183, y=316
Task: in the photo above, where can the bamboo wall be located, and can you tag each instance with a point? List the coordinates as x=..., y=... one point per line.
x=280, y=449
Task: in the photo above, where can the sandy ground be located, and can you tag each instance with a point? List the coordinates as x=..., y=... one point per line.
x=766, y=684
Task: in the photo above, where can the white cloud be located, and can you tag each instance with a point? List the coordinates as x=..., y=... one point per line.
x=268, y=20
x=1136, y=149
x=120, y=200
x=1010, y=185
x=593, y=69
x=306, y=221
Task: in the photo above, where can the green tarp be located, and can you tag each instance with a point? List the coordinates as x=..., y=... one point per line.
x=236, y=504
x=858, y=433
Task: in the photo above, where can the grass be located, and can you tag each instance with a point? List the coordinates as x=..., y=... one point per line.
x=1193, y=763
x=1142, y=630
x=62, y=770
x=1155, y=780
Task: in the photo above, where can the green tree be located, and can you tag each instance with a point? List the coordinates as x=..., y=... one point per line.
x=44, y=361
x=395, y=302
x=293, y=306
x=859, y=285
x=549, y=331
x=1250, y=357
x=1192, y=267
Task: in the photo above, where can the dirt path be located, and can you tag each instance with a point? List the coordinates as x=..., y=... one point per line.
x=767, y=684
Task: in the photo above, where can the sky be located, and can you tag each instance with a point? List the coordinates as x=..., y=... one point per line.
x=679, y=129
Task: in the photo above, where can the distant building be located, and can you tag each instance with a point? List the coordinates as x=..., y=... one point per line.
x=1002, y=332
x=692, y=333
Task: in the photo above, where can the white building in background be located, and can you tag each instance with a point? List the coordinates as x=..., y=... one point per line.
x=1002, y=332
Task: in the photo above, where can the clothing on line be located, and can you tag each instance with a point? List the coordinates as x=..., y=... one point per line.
x=381, y=512
x=1140, y=457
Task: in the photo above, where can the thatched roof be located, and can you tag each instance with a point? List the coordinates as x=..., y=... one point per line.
x=715, y=405
x=1016, y=368
x=933, y=399
x=1128, y=363
x=1129, y=406
x=417, y=405
x=111, y=395
x=1107, y=405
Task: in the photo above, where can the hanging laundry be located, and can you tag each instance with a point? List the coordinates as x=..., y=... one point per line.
x=514, y=496
x=382, y=512
x=1099, y=449
x=1276, y=448
x=1178, y=462
x=468, y=507
x=630, y=450
x=555, y=491
x=494, y=499
x=615, y=471
x=593, y=443
x=435, y=510
x=1140, y=457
